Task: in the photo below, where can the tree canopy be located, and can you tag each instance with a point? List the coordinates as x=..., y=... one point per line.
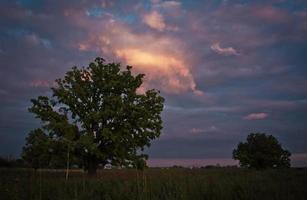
x=36, y=150
x=261, y=151
x=99, y=114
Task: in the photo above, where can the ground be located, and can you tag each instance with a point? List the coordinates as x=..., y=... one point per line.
x=168, y=184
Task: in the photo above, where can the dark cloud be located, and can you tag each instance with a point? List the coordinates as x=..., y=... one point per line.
x=224, y=64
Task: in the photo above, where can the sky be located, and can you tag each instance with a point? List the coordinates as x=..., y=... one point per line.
x=227, y=68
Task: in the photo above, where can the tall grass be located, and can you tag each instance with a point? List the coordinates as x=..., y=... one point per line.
x=168, y=184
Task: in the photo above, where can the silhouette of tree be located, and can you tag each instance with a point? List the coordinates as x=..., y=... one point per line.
x=99, y=114
x=42, y=151
x=261, y=151
x=11, y=162
x=35, y=152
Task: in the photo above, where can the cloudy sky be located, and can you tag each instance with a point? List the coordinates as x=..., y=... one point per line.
x=225, y=67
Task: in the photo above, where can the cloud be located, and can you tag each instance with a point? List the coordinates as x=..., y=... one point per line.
x=34, y=39
x=224, y=51
x=166, y=71
x=204, y=130
x=155, y=20
x=299, y=156
x=40, y=84
x=154, y=1
x=171, y=8
x=256, y=116
x=271, y=14
x=299, y=159
x=197, y=130
x=170, y=4
x=161, y=58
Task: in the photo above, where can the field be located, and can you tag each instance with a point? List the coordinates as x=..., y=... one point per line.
x=168, y=184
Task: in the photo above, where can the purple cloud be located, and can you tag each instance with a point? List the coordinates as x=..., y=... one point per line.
x=256, y=116
x=224, y=51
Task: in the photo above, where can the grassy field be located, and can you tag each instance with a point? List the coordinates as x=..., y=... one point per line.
x=162, y=184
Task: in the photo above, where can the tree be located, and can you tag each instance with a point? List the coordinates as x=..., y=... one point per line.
x=261, y=151
x=36, y=150
x=11, y=162
x=98, y=112
x=4, y=163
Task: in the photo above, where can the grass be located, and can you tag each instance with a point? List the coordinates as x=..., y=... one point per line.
x=155, y=184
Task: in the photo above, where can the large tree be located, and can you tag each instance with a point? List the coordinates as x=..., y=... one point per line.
x=99, y=113
x=261, y=151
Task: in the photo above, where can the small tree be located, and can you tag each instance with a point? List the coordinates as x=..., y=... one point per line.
x=36, y=150
x=261, y=151
x=98, y=112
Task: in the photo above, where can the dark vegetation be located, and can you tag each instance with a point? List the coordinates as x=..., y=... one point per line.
x=156, y=184
x=11, y=162
x=262, y=151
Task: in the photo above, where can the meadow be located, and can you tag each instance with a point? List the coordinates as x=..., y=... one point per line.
x=154, y=184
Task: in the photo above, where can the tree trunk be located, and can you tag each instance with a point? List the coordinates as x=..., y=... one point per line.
x=67, y=165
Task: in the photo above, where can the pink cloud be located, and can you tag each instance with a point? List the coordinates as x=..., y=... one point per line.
x=256, y=116
x=299, y=156
x=40, y=83
x=161, y=58
x=171, y=8
x=197, y=130
x=191, y=162
x=299, y=159
x=154, y=20
x=271, y=14
x=224, y=51
x=204, y=130
x=273, y=104
x=165, y=70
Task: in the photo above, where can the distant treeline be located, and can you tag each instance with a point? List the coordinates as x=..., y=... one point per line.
x=11, y=162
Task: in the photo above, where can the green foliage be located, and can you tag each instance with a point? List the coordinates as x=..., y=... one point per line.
x=36, y=150
x=98, y=113
x=261, y=151
x=41, y=151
